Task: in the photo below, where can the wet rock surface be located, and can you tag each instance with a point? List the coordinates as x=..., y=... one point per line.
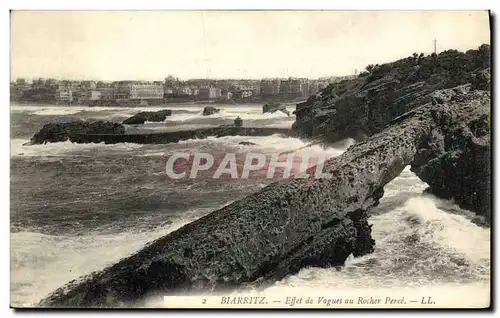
x=143, y=117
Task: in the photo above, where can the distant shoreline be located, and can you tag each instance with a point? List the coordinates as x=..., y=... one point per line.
x=166, y=105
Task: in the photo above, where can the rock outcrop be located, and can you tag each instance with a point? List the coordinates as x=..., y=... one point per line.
x=295, y=223
x=210, y=110
x=176, y=136
x=274, y=107
x=112, y=133
x=142, y=117
x=359, y=107
x=60, y=132
x=455, y=158
x=482, y=80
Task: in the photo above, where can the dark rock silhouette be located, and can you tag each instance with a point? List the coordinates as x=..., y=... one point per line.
x=247, y=143
x=176, y=136
x=482, y=80
x=112, y=133
x=294, y=223
x=455, y=158
x=143, y=117
x=210, y=110
x=274, y=107
x=59, y=132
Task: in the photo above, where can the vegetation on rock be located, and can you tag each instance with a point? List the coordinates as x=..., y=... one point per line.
x=362, y=106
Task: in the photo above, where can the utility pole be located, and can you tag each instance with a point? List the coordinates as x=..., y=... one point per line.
x=435, y=57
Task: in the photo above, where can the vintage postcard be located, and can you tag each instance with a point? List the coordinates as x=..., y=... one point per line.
x=250, y=159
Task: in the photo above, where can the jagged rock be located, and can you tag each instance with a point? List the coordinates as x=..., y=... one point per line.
x=455, y=160
x=274, y=107
x=247, y=143
x=176, y=136
x=210, y=110
x=481, y=80
x=60, y=132
x=142, y=117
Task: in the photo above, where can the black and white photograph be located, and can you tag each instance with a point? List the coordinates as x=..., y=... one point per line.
x=263, y=159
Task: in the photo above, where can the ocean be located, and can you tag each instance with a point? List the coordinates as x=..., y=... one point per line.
x=76, y=208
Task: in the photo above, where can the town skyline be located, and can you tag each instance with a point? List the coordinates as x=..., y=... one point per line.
x=170, y=89
x=124, y=45
x=32, y=78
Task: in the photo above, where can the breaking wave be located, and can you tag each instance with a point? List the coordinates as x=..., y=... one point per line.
x=65, y=149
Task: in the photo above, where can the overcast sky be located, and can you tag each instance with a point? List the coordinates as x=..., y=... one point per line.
x=150, y=45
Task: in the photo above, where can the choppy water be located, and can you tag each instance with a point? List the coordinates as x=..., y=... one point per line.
x=76, y=208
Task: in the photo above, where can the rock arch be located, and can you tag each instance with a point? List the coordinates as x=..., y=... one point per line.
x=300, y=222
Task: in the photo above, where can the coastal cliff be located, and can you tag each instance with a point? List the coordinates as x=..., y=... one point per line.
x=359, y=107
x=455, y=159
x=295, y=223
x=274, y=107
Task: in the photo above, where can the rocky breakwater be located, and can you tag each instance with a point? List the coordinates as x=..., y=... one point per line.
x=291, y=223
x=176, y=136
x=76, y=132
x=60, y=132
x=142, y=117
